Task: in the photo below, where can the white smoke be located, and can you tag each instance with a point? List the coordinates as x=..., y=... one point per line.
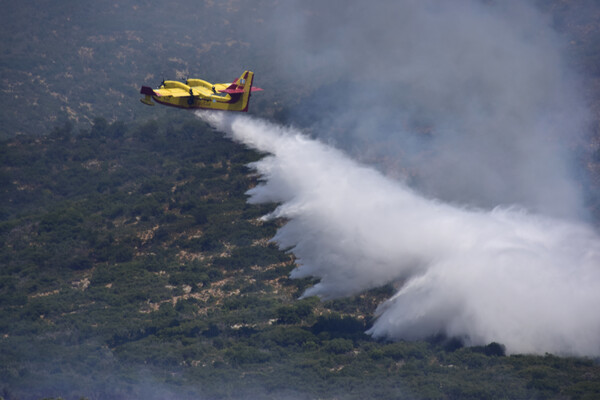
x=471, y=100
x=527, y=281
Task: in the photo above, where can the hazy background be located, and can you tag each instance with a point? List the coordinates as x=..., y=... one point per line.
x=470, y=101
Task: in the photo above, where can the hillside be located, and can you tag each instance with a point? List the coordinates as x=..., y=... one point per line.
x=133, y=268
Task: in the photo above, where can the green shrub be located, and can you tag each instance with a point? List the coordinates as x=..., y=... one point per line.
x=338, y=326
x=287, y=336
x=338, y=346
x=241, y=354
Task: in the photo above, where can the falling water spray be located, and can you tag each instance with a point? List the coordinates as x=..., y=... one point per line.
x=505, y=275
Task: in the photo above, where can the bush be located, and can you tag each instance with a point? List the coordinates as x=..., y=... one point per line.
x=240, y=354
x=338, y=326
x=339, y=346
x=288, y=336
x=212, y=331
x=294, y=314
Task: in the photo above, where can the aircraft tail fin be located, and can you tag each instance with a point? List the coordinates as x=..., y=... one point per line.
x=242, y=86
x=246, y=81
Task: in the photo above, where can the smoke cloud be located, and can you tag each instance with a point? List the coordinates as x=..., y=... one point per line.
x=469, y=101
x=527, y=281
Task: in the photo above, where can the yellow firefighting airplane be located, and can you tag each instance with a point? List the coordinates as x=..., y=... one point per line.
x=196, y=93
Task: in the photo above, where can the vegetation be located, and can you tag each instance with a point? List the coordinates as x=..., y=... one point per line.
x=132, y=267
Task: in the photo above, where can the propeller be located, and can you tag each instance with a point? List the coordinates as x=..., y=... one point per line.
x=191, y=98
x=163, y=80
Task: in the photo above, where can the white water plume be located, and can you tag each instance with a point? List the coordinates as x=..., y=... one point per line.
x=527, y=281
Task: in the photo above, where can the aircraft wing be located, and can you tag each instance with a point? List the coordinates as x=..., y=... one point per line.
x=173, y=92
